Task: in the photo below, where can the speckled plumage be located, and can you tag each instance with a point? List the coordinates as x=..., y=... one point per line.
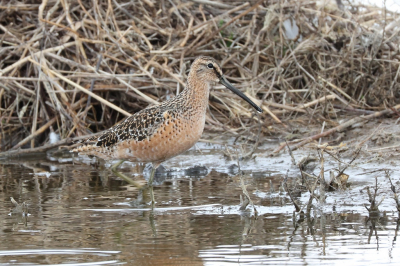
x=160, y=132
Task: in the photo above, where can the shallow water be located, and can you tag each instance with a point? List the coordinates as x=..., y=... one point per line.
x=80, y=214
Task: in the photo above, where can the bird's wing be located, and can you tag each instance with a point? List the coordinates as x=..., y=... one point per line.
x=136, y=127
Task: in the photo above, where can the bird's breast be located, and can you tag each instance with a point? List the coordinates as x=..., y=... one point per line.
x=175, y=135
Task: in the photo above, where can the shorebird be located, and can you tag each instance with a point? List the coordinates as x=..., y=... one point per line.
x=158, y=133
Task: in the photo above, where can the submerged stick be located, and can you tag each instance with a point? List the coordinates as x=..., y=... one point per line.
x=41, y=149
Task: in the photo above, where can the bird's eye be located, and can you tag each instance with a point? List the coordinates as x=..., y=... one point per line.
x=210, y=66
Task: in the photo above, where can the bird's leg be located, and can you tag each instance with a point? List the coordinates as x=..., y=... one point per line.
x=150, y=183
x=151, y=196
x=122, y=176
x=153, y=172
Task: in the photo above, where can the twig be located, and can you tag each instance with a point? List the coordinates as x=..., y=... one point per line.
x=26, y=59
x=340, y=128
x=21, y=152
x=35, y=134
x=92, y=82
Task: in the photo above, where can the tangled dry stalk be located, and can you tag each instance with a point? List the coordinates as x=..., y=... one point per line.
x=293, y=57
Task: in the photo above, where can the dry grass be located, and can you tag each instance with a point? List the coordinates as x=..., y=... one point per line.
x=138, y=53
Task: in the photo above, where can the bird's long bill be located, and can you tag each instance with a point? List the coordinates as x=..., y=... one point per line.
x=238, y=92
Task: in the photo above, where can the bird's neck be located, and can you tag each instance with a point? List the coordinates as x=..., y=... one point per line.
x=197, y=93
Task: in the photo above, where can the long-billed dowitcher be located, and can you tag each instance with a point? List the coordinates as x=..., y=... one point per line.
x=158, y=133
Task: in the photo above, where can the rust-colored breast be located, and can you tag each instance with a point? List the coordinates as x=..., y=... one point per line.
x=174, y=136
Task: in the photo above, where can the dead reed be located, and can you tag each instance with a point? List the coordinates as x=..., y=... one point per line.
x=73, y=67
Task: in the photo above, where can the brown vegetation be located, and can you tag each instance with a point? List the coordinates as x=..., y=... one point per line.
x=54, y=53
